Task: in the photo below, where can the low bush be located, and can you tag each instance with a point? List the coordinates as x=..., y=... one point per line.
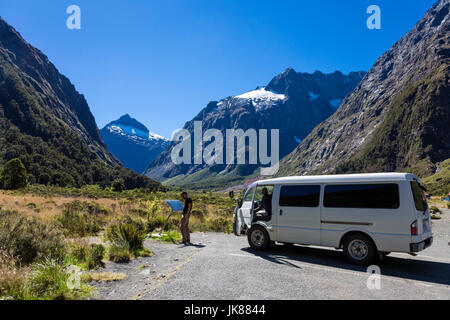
x=155, y=222
x=28, y=239
x=49, y=280
x=126, y=233
x=82, y=219
x=219, y=225
x=119, y=252
x=11, y=277
x=86, y=256
x=95, y=257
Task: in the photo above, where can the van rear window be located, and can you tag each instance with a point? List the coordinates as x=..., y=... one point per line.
x=372, y=196
x=419, y=196
x=300, y=196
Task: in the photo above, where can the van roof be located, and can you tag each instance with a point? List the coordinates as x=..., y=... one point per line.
x=363, y=177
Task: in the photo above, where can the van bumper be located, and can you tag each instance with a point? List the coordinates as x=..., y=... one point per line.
x=419, y=246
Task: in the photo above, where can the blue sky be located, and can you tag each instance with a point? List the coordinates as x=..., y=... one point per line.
x=163, y=61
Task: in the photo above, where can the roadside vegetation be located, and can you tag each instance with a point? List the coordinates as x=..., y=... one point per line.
x=45, y=231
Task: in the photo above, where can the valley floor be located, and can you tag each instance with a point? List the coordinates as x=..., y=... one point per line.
x=221, y=266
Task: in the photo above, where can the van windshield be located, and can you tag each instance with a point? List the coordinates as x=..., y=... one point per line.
x=249, y=194
x=420, y=200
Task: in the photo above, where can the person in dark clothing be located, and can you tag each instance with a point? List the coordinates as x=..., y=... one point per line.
x=184, y=226
x=266, y=204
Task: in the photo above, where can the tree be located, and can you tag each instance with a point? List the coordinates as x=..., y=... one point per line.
x=118, y=185
x=13, y=175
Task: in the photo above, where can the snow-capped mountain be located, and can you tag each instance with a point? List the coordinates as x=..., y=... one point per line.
x=292, y=102
x=132, y=143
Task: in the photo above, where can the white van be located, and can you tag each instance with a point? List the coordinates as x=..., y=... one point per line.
x=367, y=215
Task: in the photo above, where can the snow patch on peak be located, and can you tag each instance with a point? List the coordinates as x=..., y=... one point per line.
x=262, y=98
x=154, y=136
x=261, y=93
x=133, y=133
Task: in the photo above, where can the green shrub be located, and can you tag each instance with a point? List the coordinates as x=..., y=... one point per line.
x=448, y=205
x=118, y=185
x=13, y=175
x=95, y=257
x=79, y=253
x=220, y=225
x=126, y=233
x=49, y=280
x=11, y=277
x=155, y=222
x=119, y=252
x=80, y=219
x=28, y=239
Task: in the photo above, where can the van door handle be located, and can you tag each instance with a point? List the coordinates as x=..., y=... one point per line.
x=281, y=212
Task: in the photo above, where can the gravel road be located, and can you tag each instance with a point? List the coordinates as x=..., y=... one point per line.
x=221, y=266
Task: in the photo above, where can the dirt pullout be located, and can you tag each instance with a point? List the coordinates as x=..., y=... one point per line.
x=146, y=274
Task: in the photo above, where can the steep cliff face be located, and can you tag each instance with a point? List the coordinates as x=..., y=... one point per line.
x=292, y=102
x=46, y=123
x=396, y=118
x=52, y=91
x=132, y=143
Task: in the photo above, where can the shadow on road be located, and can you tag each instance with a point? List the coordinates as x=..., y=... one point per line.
x=197, y=245
x=406, y=268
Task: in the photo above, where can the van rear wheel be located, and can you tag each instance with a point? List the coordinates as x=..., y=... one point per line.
x=359, y=249
x=258, y=238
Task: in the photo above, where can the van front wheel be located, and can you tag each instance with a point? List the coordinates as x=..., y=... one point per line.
x=359, y=249
x=258, y=238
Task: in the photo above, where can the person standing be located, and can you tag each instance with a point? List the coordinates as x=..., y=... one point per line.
x=184, y=227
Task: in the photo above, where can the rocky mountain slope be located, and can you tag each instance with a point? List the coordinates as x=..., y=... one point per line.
x=132, y=143
x=46, y=123
x=397, y=118
x=292, y=102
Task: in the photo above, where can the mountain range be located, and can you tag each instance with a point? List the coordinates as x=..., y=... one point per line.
x=292, y=102
x=132, y=143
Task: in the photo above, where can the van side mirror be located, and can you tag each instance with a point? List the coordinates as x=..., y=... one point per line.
x=231, y=194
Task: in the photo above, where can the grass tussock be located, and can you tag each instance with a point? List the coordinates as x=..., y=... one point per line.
x=104, y=276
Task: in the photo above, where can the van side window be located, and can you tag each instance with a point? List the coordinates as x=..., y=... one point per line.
x=299, y=196
x=372, y=196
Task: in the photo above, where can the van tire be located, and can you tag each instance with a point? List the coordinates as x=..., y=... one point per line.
x=359, y=249
x=258, y=238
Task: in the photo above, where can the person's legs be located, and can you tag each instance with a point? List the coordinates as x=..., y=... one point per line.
x=183, y=228
x=186, y=230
